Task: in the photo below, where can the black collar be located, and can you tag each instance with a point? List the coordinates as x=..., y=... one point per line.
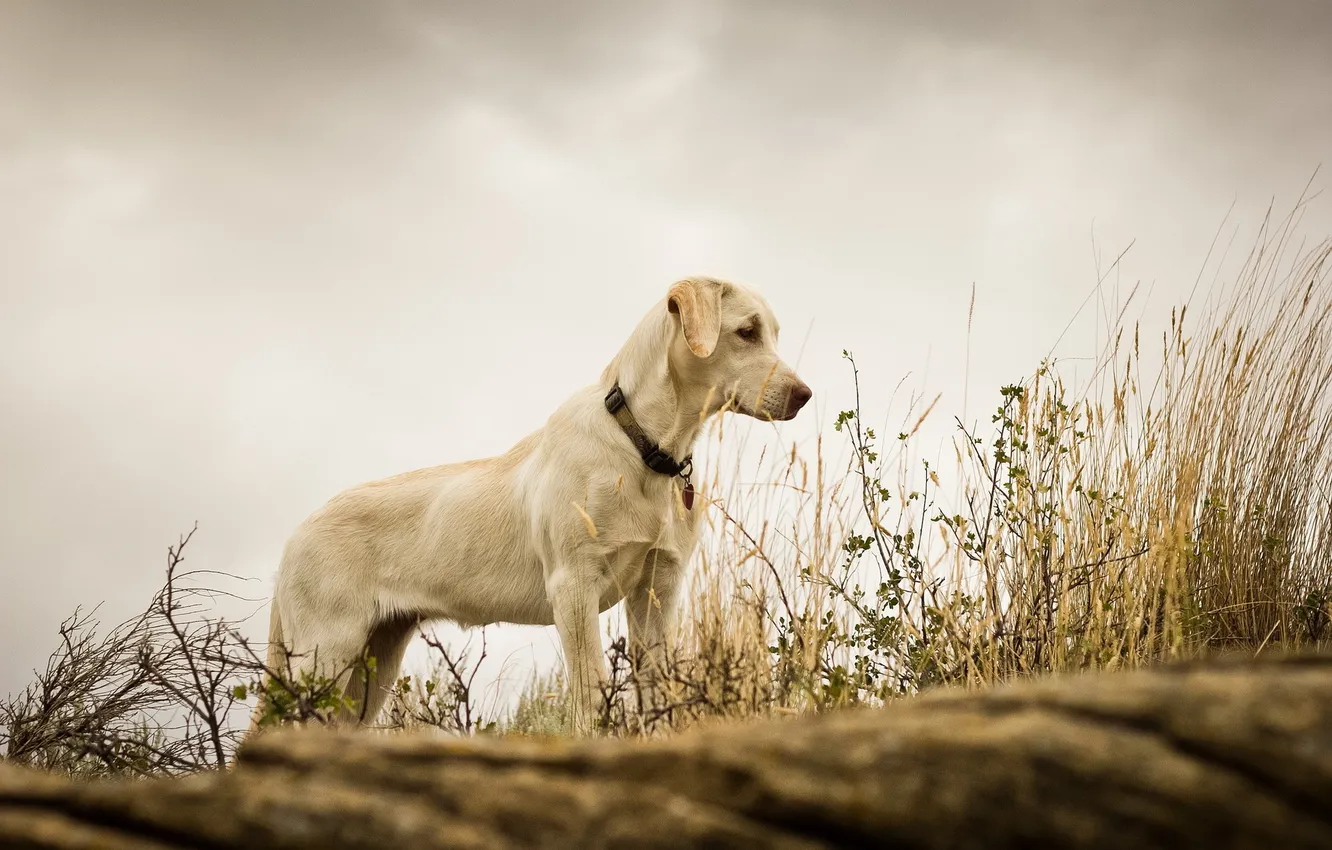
x=656, y=460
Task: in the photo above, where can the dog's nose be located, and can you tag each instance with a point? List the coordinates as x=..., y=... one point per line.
x=800, y=394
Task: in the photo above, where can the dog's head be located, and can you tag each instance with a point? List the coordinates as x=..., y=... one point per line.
x=726, y=343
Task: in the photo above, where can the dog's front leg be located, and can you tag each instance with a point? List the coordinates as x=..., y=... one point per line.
x=650, y=609
x=574, y=597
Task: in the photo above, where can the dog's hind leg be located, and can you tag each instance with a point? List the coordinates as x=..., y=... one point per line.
x=326, y=648
x=369, y=687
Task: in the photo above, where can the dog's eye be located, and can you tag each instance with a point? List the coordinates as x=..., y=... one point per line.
x=748, y=332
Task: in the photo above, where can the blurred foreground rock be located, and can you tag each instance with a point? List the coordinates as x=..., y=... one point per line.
x=1224, y=754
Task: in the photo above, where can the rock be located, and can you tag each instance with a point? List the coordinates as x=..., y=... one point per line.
x=1217, y=754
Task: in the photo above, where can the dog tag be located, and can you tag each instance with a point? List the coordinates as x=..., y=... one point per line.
x=687, y=495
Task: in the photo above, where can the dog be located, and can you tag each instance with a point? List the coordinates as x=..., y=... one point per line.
x=594, y=508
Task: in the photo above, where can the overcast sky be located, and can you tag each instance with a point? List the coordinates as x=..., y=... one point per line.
x=254, y=253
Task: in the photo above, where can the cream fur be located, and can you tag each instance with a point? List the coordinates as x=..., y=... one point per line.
x=562, y=526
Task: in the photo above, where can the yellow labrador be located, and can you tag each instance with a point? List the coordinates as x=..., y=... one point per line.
x=593, y=508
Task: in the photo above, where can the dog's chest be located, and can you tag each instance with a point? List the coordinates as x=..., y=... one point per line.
x=632, y=522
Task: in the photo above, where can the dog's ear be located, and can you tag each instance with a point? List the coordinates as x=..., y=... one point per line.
x=698, y=303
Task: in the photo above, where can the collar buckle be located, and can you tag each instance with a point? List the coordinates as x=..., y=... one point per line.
x=660, y=462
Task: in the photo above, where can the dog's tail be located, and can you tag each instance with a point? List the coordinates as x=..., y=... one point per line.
x=277, y=663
